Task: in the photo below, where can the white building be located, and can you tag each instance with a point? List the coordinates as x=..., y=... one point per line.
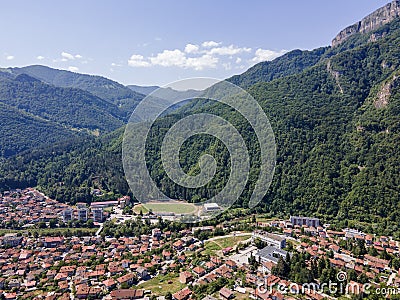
x=271, y=239
x=210, y=207
x=270, y=254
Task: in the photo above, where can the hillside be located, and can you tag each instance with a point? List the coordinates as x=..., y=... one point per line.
x=335, y=114
x=16, y=123
x=36, y=113
x=101, y=87
x=145, y=90
x=293, y=62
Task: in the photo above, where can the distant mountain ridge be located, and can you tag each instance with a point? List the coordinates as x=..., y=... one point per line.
x=290, y=63
x=72, y=103
x=99, y=86
x=36, y=113
x=145, y=90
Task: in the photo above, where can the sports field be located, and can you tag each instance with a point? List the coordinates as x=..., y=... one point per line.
x=172, y=207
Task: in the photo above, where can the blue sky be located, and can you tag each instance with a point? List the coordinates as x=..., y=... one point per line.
x=157, y=42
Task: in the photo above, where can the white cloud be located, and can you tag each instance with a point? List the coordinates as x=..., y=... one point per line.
x=230, y=50
x=10, y=57
x=202, y=62
x=190, y=48
x=137, y=60
x=174, y=58
x=265, y=54
x=40, y=57
x=169, y=58
x=67, y=56
x=210, y=44
x=177, y=58
x=73, y=69
x=115, y=65
x=209, y=55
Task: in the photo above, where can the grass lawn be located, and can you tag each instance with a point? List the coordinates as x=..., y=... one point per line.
x=140, y=207
x=162, y=284
x=232, y=241
x=265, y=219
x=211, y=247
x=178, y=208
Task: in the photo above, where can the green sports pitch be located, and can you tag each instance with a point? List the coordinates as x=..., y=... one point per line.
x=172, y=207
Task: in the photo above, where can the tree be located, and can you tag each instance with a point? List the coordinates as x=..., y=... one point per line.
x=282, y=269
x=90, y=223
x=53, y=223
x=385, y=255
x=41, y=225
x=352, y=275
x=372, y=251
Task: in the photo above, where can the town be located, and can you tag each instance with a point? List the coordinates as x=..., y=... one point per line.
x=247, y=258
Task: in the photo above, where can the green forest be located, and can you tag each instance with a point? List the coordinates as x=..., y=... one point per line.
x=334, y=112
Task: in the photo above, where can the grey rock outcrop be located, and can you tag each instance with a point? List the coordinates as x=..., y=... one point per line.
x=371, y=22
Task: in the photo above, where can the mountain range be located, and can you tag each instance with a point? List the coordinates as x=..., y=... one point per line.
x=334, y=110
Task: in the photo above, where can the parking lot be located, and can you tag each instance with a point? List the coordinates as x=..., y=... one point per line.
x=243, y=256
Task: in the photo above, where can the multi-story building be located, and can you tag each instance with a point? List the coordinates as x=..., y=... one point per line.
x=310, y=222
x=271, y=239
x=97, y=214
x=12, y=240
x=82, y=213
x=68, y=214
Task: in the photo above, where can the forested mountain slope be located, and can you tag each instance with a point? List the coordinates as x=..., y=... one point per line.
x=336, y=122
x=35, y=113
x=101, y=87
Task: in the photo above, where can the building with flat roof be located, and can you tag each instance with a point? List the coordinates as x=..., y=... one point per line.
x=271, y=239
x=83, y=214
x=310, y=222
x=97, y=214
x=67, y=214
x=12, y=240
x=103, y=204
x=209, y=207
x=270, y=254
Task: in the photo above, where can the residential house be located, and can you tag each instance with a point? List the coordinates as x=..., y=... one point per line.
x=182, y=294
x=226, y=293
x=185, y=277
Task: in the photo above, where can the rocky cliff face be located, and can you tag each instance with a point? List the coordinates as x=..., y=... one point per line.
x=371, y=22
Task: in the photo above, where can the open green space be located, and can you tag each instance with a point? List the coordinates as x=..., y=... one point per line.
x=211, y=247
x=178, y=208
x=162, y=284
